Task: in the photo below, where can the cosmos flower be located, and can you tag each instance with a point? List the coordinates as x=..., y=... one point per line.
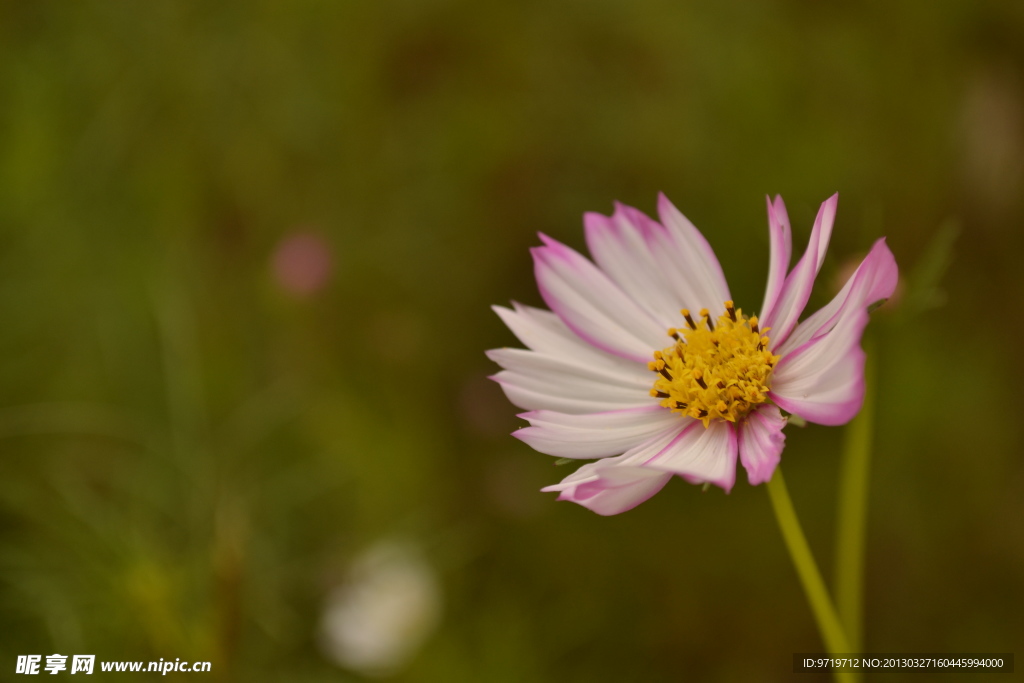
x=646, y=364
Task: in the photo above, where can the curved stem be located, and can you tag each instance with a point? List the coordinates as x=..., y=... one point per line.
x=814, y=587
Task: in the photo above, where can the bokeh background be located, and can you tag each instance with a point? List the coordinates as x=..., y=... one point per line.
x=247, y=254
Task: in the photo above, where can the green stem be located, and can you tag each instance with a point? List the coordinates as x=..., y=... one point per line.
x=824, y=612
x=851, y=520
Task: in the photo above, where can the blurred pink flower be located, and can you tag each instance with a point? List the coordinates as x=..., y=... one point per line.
x=602, y=379
x=302, y=263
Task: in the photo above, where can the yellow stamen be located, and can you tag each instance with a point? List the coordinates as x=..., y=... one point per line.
x=715, y=372
x=705, y=315
x=689, y=320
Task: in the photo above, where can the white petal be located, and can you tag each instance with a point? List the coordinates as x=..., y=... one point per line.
x=688, y=261
x=614, y=485
x=544, y=332
x=593, y=306
x=701, y=455
x=761, y=442
x=822, y=380
x=621, y=246
x=594, y=435
x=781, y=248
x=826, y=387
x=875, y=278
x=783, y=316
x=537, y=381
x=616, y=489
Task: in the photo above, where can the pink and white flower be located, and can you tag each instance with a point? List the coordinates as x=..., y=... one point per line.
x=645, y=364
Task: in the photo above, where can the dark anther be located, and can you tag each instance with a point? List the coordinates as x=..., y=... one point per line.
x=721, y=384
x=689, y=320
x=732, y=313
x=702, y=413
x=711, y=325
x=700, y=381
x=680, y=405
x=665, y=374
x=662, y=394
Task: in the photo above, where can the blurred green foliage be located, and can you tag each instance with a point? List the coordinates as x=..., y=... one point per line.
x=192, y=455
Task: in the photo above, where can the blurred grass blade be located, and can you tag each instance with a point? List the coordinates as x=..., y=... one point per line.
x=851, y=520
x=923, y=284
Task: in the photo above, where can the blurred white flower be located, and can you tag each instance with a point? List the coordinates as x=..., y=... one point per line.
x=376, y=621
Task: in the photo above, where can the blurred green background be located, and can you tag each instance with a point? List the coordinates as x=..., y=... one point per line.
x=247, y=254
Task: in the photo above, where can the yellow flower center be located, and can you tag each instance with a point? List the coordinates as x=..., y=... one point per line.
x=714, y=371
